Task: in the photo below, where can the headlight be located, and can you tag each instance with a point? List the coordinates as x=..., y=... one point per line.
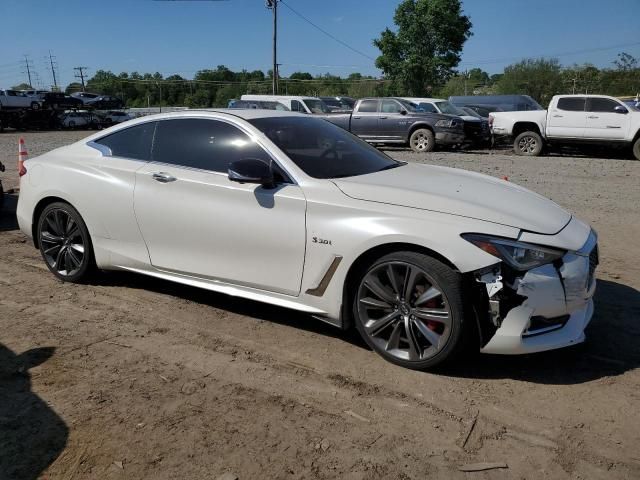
x=518, y=255
x=445, y=123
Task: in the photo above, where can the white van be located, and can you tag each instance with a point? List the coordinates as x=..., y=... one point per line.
x=295, y=103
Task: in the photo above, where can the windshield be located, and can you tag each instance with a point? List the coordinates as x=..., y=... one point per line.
x=322, y=149
x=316, y=106
x=471, y=112
x=446, y=107
x=411, y=107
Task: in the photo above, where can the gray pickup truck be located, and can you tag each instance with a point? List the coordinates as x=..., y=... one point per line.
x=394, y=120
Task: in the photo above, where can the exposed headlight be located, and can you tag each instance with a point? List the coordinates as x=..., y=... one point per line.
x=446, y=123
x=518, y=255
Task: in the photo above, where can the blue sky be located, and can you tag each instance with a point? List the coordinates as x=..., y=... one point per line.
x=183, y=37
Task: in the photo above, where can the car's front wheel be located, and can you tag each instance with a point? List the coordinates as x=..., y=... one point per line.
x=64, y=242
x=408, y=307
x=422, y=140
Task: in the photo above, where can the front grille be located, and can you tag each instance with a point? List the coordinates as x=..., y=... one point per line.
x=594, y=259
x=472, y=128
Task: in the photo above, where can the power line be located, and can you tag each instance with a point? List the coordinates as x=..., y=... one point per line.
x=80, y=75
x=325, y=32
x=53, y=70
x=28, y=64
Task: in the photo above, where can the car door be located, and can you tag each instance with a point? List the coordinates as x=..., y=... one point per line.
x=567, y=118
x=364, y=121
x=604, y=122
x=392, y=124
x=197, y=222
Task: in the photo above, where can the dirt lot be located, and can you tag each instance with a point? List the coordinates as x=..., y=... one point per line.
x=132, y=377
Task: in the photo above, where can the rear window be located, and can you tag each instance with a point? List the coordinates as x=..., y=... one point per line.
x=133, y=142
x=572, y=104
x=368, y=106
x=602, y=105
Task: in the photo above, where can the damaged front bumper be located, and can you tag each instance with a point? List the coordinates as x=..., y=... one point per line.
x=544, y=308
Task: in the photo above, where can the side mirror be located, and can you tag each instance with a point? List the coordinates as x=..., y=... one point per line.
x=620, y=109
x=403, y=112
x=250, y=170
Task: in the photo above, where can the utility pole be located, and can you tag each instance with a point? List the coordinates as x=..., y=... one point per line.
x=27, y=65
x=53, y=71
x=273, y=5
x=80, y=75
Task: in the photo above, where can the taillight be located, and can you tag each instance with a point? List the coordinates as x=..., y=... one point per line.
x=490, y=120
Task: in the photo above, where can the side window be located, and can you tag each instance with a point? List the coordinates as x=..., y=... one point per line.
x=133, y=142
x=571, y=104
x=428, y=107
x=390, y=106
x=296, y=106
x=601, y=105
x=368, y=106
x=203, y=144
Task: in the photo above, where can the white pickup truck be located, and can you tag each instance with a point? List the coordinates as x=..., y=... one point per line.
x=570, y=119
x=13, y=99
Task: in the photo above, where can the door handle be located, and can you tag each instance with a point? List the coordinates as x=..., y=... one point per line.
x=558, y=116
x=356, y=118
x=382, y=117
x=163, y=177
x=593, y=116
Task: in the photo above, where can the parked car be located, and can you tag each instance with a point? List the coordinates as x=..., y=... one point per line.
x=396, y=121
x=571, y=119
x=293, y=102
x=11, y=99
x=339, y=104
x=484, y=110
x=84, y=97
x=421, y=259
x=104, y=102
x=61, y=101
x=507, y=103
x=38, y=94
x=260, y=104
x=112, y=117
x=81, y=119
x=476, y=129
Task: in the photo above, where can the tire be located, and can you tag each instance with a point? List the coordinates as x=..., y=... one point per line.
x=528, y=144
x=422, y=140
x=636, y=149
x=35, y=106
x=72, y=124
x=386, y=321
x=65, y=243
x=1, y=196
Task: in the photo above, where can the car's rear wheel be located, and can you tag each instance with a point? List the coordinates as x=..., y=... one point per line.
x=64, y=242
x=408, y=307
x=528, y=144
x=35, y=106
x=422, y=140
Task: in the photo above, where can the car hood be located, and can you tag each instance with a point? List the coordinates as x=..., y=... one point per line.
x=458, y=192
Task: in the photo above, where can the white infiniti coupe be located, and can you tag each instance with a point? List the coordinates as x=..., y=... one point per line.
x=291, y=210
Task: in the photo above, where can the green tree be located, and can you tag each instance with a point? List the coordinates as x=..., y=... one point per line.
x=539, y=78
x=21, y=86
x=73, y=87
x=426, y=47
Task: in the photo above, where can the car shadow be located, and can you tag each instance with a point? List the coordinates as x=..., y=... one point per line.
x=611, y=347
x=241, y=306
x=32, y=435
x=8, y=220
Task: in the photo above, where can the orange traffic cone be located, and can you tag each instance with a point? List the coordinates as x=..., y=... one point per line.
x=22, y=156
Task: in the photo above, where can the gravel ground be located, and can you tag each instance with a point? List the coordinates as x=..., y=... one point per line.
x=132, y=377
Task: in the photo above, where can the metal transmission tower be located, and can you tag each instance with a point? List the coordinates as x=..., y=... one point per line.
x=273, y=6
x=80, y=75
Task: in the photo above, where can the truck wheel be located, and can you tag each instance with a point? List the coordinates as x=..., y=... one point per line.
x=636, y=149
x=422, y=140
x=528, y=143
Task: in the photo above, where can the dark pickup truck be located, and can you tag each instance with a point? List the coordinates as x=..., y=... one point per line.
x=393, y=120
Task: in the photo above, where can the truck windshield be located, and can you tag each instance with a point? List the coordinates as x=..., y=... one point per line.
x=447, y=108
x=321, y=149
x=316, y=106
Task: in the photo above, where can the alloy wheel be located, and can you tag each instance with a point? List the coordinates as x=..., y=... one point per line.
x=421, y=141
x=404, y=311
x=527, y=144
x=62, y=242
